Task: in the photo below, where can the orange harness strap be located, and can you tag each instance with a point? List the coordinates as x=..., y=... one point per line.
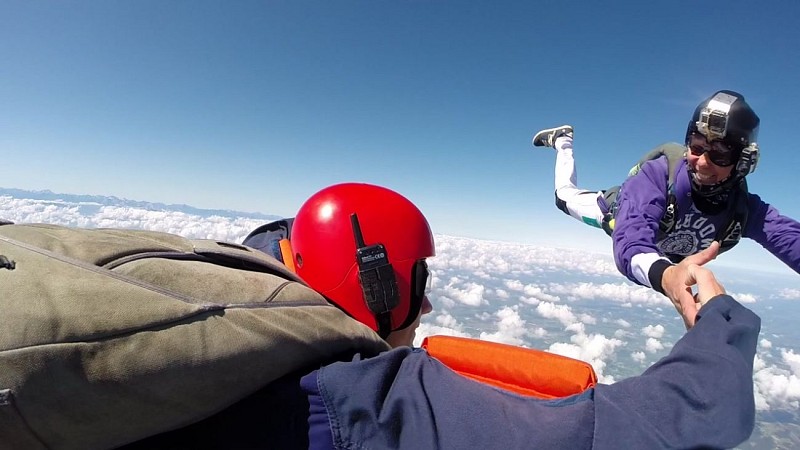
x=521, y=370
x=286, y=254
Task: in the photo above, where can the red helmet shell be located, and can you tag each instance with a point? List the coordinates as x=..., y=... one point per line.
x=324, y=246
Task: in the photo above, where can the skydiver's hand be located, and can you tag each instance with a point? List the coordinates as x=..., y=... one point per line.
x=678, y=280
x=707, y=285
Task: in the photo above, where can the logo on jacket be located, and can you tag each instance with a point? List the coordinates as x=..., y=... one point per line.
x=692, y=232
x=681, y=243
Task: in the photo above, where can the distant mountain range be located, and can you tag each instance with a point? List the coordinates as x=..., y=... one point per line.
x=48, y=195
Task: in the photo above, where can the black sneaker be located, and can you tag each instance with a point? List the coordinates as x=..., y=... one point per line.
x=547, y=138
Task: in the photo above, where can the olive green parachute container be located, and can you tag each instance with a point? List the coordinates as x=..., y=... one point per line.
x=108, y=335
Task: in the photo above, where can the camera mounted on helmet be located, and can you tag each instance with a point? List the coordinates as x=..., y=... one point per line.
x=713, y=120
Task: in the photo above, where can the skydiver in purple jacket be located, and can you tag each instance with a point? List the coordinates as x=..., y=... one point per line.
x=671, y=209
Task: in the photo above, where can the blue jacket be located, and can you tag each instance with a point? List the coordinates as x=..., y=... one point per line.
x=641, y=205
x=700, y=395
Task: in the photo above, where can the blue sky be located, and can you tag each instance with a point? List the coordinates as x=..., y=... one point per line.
x=254, y=106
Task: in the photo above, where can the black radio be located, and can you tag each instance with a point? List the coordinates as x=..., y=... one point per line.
x=375, y=273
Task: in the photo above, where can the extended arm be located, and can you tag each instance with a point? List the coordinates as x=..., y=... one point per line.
x=777, y=233
x=640, y=207
x=700, y=395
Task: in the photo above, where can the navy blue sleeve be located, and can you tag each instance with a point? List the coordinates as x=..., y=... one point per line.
x=698, y=396
x=320, y=435
x=405, y=399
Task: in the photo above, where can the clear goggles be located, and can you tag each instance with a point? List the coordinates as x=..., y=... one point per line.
x=720, y=153
x=422, y=281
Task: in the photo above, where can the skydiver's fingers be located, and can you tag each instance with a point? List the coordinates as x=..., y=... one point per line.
x=704, y=256
x=707, y=285
x=677, y=282
x=677, y=289
x=687, y=308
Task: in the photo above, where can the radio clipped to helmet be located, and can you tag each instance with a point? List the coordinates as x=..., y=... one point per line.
x=377, y=278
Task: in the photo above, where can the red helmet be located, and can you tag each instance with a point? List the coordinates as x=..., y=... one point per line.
x=364, y=248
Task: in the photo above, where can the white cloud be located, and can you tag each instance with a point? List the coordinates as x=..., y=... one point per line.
x=468, y=293
x=653, y=331
x=533, y=293
x=514, y=285
x=638, y=357
x=496, y=257
x=448, y=321
x=537, y=292
x=653, y=345
x=577, y=328
x=777, y=387
x=440, y=301
x=510, y=328
x=743, y=297
x=792, y=359
x=426, y=329
x=529, y=300
x=500, y=293
x=623, y=323
x=592, y=348
x=539, y=332
x=587, y=319
x=765, y=344
x=484, y=316
x=562, y=313
x=623, y=292
x=93, y=215
x=620, y=334
x=789, y=294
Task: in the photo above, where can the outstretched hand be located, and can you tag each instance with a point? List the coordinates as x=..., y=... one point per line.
x=678, y=280
x=707, y=285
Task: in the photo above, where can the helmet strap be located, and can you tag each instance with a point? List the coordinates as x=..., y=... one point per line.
x=285, y=247
x=384, y=321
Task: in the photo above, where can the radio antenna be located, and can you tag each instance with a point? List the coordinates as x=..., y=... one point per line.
x=357, y=231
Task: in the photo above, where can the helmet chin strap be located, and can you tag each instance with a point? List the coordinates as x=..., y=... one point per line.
x=717, y=189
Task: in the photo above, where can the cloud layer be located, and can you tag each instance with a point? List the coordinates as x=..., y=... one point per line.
x=565, y=301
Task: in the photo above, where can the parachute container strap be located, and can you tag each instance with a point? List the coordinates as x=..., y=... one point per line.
x=667, y=223
x=731, y=234
x=610, y=197
x=674, y=153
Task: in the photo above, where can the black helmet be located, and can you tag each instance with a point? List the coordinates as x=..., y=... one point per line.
x=725, y=116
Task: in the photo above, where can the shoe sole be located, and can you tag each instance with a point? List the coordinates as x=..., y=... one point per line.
x=537, y=142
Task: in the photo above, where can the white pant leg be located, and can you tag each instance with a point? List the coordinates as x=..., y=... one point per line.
x=580, y=203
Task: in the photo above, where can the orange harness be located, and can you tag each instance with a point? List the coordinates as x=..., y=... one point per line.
x=524, y=371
